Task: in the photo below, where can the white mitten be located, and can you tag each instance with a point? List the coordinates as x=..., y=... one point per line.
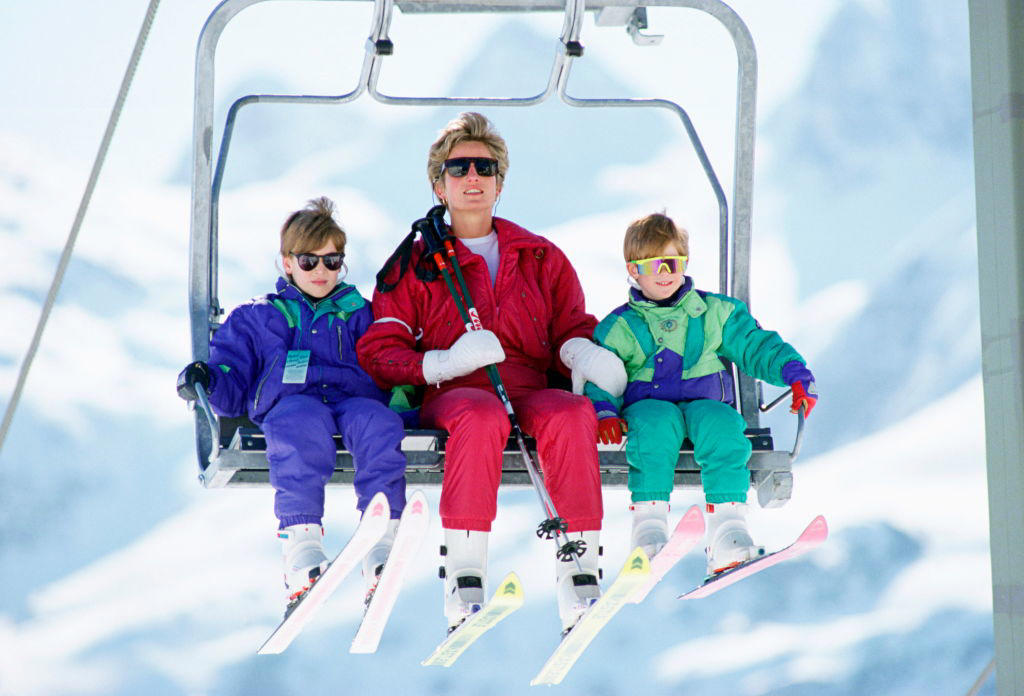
x=590, y=362
x=473, y=350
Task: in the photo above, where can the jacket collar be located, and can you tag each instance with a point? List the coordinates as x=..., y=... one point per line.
x=512, y=236
x=687, y=299
x=341, y=298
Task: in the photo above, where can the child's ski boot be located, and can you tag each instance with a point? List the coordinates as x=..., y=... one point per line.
x=464, y=573
x=577, y=591
x=373, y=562
x=304, y=559
x=650, y=526
x=729, y=541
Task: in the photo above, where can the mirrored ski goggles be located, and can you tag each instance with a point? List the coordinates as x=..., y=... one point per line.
x=660, y=264
x=459, y=166
x=308, y=262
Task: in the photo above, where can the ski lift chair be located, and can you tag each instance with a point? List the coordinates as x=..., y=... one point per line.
x=232, y=451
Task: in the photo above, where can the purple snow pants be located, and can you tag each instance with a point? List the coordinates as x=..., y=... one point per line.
x=301, y=453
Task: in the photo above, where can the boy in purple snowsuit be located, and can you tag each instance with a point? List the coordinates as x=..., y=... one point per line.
x=288, y=361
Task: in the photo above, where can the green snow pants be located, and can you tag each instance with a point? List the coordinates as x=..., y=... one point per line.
x=657, y=430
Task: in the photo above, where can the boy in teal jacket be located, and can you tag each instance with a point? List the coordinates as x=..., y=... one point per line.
x=672, y=339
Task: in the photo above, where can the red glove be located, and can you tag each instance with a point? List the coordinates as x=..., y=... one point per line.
x=802, y=396
x=609, y=430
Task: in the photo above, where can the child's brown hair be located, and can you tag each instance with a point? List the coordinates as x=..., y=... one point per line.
x=647, y=236
x=312, y=228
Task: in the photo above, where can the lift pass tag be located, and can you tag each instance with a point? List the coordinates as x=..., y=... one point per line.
x=295, y=367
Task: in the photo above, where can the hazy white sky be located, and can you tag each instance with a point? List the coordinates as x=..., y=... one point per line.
x=64, y=62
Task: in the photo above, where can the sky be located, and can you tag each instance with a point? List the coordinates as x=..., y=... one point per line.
x=71, y=61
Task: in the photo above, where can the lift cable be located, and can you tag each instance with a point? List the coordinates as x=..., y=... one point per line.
x=983, y=678
x=65, y=258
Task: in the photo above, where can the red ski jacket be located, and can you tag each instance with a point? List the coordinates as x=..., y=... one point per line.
x=535, y=305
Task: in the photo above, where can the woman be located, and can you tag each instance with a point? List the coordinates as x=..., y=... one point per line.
x=531, y=305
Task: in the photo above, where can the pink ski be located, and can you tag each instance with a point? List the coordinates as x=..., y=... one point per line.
x=687, y=533
x=371, y=528
x=815, y=534
x=411, y=530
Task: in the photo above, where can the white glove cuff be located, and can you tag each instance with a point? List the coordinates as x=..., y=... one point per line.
x=434, y=364
x=572, y=348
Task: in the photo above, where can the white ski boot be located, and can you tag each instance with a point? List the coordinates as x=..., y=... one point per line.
x=728, y=540
x=304, y=559
x=465, y=573
x=650, y=526
x=576, y=591
x=373, y=562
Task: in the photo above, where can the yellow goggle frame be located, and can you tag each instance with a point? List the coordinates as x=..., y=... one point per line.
x=660, y=264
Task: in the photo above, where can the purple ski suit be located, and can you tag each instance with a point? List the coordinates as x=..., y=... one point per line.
x=300, y=409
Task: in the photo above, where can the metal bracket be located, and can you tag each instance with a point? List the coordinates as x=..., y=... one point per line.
x=633, y=18
x=638, y=21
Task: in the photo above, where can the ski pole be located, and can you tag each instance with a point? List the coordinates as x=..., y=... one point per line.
x=436, y=241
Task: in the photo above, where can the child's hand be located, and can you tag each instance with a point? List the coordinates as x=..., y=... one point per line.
x=609, y=430
x=804, y=396
x=796, y=374
x=590, y=362
x=194, y=373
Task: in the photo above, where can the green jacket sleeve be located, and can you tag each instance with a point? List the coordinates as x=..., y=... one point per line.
x=756, y=351
x=613, y=333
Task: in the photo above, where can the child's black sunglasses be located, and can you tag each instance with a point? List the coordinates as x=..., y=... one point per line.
x=459, y=166
x=308, y=262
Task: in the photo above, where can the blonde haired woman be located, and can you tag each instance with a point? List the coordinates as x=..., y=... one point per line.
x=532, y=308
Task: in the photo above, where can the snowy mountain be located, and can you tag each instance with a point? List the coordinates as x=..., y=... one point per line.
x=124, y=577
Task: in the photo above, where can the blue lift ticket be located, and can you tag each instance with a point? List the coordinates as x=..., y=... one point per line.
x=295, y=366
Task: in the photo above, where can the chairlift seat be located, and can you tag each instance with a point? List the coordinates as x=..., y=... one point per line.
x=243, y=462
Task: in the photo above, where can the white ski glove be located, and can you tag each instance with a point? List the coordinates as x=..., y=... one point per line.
x=590, y=362
x=472, y=350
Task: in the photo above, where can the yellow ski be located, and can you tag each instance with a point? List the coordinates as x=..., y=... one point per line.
x=633, y=574
x=506, y=600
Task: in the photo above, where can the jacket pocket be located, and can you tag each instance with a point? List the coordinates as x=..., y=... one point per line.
x=259, y=387
x=341, y=344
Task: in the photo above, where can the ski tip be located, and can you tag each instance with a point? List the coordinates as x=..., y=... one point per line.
x=378, y=506
x=693, y=520
x=417, y=504
x=817, y=529
x=511, y=588
x=637, y=562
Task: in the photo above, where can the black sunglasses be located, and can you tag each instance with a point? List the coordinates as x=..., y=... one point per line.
x=308, y=262
x=459, y=166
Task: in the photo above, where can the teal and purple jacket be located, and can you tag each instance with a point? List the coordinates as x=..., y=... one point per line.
x=673, y=350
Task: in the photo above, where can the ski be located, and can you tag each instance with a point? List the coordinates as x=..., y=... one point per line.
x=687, y=533
x=370, y=529
x=411, y=530
x=633, y=574
x=815, y=533
x=507, y=598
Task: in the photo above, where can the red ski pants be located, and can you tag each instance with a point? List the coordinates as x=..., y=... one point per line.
x=565, y=427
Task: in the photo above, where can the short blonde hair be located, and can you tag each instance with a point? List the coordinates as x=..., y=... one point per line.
x=311, y=228
x=468, y=126
x=647, y=236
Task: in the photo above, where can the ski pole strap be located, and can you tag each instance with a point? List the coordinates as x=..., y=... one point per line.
x=425, y=268
x=551, y=527
x=402, y=255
